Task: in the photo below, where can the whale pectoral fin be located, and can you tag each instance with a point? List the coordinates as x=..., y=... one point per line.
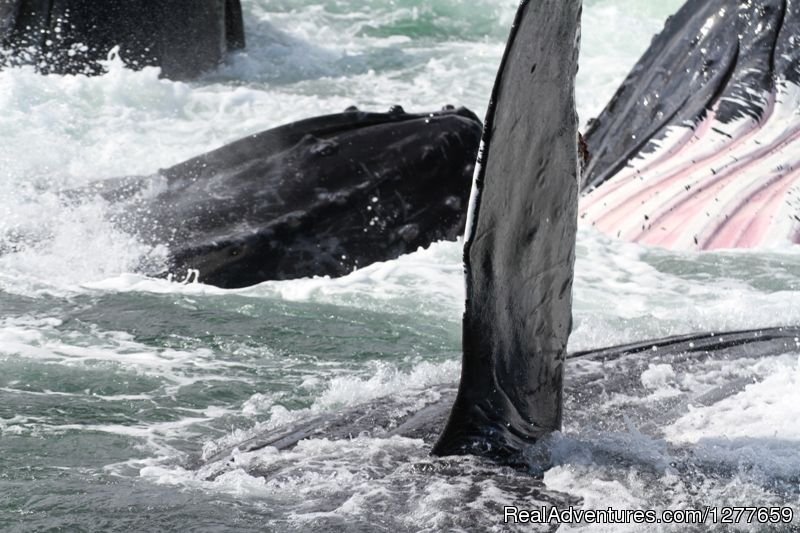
x=520, y=249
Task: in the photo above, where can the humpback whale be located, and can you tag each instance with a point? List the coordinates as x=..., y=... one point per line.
x=519, y=257
x=183, y=38
x=699, y=147
x=321, y=196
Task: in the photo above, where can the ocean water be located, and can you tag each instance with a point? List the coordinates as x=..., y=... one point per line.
x=111, y=384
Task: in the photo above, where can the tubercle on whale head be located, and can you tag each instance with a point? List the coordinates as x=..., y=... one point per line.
x=520, y=247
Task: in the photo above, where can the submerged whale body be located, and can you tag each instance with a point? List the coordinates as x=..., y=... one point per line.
x=73, y=36
x=700, y=146
x=317, y=197
x=622, y=369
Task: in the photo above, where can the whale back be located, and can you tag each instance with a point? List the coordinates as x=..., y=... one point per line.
x=520, y=247
x=393, y=416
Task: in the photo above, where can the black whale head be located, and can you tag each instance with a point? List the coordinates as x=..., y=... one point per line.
x=520, y=250
x=321, y=196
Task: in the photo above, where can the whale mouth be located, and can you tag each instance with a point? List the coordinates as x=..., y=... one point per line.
x=697, y=150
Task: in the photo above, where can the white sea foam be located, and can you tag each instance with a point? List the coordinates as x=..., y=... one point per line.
x=427, y=281
x=346, y=391
x=766, y=409
x=737, y=449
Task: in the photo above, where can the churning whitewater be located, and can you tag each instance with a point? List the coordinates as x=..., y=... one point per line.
x=114, y=386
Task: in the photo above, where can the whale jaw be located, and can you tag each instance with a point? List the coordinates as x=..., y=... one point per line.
x=698, y=148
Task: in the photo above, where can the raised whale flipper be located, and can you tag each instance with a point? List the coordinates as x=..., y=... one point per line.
x=318, y=197
x=699, y=147
x=520, y=249
x=73, y=36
